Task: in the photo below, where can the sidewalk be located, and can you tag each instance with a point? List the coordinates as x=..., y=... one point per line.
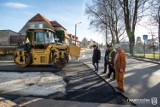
x=141, y=82
x=6, y=103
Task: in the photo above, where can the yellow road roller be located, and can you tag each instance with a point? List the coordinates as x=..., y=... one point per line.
x=42, y=47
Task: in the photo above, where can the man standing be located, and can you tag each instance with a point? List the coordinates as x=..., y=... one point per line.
x=120, y=65
x=112, y=53
x=106, y=59
x=96, y=57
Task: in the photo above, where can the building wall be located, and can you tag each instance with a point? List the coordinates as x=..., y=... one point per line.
x=36, y=25
x=5, y=36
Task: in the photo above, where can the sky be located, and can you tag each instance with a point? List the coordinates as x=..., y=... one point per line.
x=14, y=14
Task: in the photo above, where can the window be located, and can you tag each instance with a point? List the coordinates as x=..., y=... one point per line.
x=39, y=37
x=40, y=25
x=47, y=37
x=32, y=26
x=52, y=37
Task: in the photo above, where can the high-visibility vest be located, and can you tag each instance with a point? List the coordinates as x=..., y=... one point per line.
x=110, y=55
x=27, y=40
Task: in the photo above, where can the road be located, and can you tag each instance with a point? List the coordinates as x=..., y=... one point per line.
x=75, y=83
x=141, y=78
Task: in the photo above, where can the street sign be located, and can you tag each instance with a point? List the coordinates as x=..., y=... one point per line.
x=145, y=37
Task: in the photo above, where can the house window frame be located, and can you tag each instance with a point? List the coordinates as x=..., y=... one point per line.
x=32, y=26
x=40, y=25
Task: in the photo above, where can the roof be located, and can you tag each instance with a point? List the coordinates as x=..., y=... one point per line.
x=9, y=30
x=56, y=24
x=39, y=17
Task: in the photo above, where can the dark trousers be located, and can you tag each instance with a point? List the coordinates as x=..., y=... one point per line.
x=111, y=70
x=105, y=66
x=96, y=66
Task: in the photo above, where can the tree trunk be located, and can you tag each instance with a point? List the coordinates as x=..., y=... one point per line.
x=131, y=41
x=117, y=38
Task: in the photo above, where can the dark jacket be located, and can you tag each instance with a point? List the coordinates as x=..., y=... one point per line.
x=96, y=55
x=106, y=56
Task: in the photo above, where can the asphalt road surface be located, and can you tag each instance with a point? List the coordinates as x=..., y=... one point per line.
x=80, y=84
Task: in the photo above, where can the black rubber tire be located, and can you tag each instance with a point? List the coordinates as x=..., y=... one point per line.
x=28, y=58
x=61, y=62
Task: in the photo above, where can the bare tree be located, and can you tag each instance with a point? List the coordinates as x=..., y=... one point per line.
x=155, y=13
x=133, y=11
x=106, y=16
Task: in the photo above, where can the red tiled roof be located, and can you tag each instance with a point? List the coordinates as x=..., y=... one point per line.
x=56, y=24
x=39, y=17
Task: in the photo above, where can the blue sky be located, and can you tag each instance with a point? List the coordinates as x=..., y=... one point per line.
x=15, y=13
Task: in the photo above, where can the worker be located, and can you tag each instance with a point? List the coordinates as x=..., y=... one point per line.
x=112, y=53
x=106, y=59
x=96, y=57
x=120, y=65
x=27, y=45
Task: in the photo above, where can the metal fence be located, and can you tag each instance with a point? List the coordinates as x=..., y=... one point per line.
x=143, y=50
x=147, y=51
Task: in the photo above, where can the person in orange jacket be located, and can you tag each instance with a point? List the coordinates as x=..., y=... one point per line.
x=120, y=65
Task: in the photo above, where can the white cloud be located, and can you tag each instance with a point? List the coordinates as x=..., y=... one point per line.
x=16, y=5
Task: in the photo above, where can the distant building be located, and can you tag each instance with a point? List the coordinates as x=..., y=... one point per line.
x=5, y=36
x=84, y=43
x=88, y=44
x=73, y=39
x=17, y=39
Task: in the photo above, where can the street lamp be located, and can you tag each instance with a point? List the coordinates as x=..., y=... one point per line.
x=76, y=30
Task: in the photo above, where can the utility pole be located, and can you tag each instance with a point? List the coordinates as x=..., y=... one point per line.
x=76, y=32
x=158, y=15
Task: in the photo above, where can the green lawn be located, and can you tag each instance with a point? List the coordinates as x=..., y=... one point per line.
x=148, y=55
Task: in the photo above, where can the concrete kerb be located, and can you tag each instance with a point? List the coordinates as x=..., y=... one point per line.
x=123, y=94
x=11, y=61
x=7, y=103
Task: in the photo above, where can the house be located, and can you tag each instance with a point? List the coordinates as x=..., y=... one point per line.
x=84, y=43
x=73, y=39
x=91, y=43
x=17, y=39
x=88, y=44
x=5, y=36
x=39, y=21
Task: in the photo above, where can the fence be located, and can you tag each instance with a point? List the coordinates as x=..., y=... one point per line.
x=143, y=50
x=7, y=52
x=147, y=51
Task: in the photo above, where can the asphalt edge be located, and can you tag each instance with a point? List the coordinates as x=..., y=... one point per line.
x=132, y=104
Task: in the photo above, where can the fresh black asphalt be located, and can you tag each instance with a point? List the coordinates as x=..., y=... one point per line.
x=83, y=85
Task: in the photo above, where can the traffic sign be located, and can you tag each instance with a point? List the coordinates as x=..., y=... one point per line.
x=145, y=37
